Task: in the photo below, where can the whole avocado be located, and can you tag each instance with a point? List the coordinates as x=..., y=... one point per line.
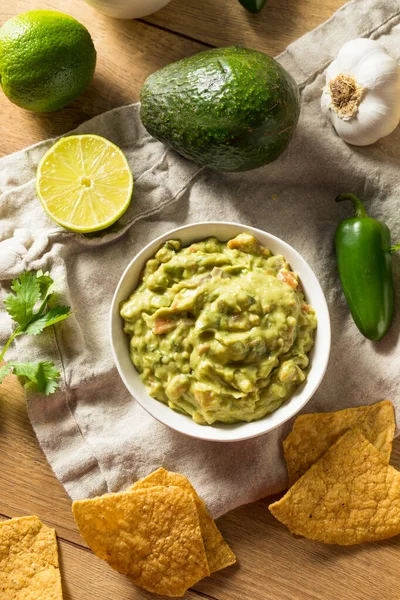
x=232, y=109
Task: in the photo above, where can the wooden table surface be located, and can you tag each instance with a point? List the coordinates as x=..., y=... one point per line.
x=272, y=565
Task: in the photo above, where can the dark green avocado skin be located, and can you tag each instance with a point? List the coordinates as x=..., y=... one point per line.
x=232, y=109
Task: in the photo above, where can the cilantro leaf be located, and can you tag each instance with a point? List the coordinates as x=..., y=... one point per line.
x=21, y=303
x=46, y=284
x=47, y=378
x=29, y=305
x=4, y=370
x=41, y=376
x=54, y=315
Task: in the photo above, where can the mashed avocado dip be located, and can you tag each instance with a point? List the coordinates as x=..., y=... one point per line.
x=219, y=331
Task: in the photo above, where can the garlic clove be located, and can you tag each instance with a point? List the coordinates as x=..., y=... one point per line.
x=361, y=97
x=380, y=70
x=371, y=113
x=376, y=113
x=334, y=69
x=355, y=52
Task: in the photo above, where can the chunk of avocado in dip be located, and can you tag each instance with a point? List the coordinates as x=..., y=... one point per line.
x=219, y=331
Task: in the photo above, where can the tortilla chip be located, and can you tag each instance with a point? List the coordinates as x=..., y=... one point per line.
x=348, y=497
x=29, y=568
x=314, y=433
x=218, y=553
x=153, y=535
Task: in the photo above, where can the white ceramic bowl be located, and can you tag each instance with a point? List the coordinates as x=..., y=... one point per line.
x=127, y=9
x=220, y=432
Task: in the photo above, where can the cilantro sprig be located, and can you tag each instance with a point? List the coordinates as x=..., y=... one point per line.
x=31, y=306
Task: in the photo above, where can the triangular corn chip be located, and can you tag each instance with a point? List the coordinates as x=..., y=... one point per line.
x=348, y=497
x=218, y=553
x=29, y=568
x=314, y=433
x=153, y=535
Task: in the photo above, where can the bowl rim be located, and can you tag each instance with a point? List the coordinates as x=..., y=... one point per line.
x=151, y=405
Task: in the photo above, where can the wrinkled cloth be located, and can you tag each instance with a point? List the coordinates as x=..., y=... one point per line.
x=94, y=434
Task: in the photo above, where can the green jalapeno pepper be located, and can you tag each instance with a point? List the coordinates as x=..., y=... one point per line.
x=363, y=254
x=253, y=6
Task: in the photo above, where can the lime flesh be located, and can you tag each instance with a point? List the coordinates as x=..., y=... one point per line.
x=84, y=183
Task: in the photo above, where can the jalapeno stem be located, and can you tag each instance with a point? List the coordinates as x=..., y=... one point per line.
x=361, y=213
x=253, y=6
x=394, y=248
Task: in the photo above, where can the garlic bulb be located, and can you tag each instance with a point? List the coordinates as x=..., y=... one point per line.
x=362, y=94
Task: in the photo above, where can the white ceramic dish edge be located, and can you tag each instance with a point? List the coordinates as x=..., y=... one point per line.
x=220, y=432
x=127, y=9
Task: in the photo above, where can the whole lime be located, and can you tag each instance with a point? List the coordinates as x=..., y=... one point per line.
x=47, y=60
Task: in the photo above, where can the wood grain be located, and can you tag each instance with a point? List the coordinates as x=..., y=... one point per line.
x=127, y=52
x=272, y=564
x=28, y=486
x=226, y=22
x=85, y=576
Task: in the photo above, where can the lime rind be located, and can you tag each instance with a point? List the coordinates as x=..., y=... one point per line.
x=47, y=60
x=110, y=219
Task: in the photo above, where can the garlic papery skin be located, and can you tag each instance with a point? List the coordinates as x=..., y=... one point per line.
x=361, y=97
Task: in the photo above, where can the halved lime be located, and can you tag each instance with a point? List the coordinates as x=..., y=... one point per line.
x=84, y=183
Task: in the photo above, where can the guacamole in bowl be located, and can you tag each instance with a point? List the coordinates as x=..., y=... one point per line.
x=219, y=331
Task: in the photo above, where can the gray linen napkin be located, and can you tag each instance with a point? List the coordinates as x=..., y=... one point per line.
x=95, y=436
